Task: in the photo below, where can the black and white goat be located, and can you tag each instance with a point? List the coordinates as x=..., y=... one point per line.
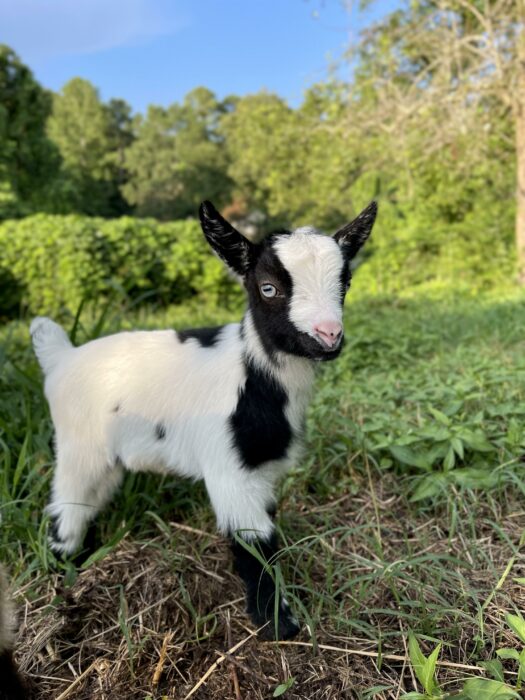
x=224, y=404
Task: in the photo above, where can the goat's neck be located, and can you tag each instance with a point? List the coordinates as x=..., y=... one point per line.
x=294, y=373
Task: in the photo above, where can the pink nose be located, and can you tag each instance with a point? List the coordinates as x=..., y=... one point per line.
x=329, y=332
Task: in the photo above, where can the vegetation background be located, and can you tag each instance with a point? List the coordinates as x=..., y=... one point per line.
x=405, y=522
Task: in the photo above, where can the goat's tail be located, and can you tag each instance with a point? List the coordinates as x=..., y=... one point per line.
x=12, y=687
x=50, y=341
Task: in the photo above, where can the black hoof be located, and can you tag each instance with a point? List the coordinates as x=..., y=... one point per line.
x=287, y=627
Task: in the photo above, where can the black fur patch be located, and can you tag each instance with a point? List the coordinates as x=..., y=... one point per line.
x=260, y=589
x=160, y=431
x=261, y=431
x=272, y=510
x=53, y=529
x=207, y=337
x=11, y=685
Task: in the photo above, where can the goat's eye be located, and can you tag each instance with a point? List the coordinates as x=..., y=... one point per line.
x=268, y=290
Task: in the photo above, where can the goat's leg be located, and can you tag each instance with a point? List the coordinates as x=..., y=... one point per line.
x=82, y=484
x=243, y=505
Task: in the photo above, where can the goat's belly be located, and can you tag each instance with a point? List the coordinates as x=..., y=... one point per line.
x=186, y=446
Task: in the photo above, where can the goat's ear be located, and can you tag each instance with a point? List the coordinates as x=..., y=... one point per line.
x=352, y=236
x=227, y=242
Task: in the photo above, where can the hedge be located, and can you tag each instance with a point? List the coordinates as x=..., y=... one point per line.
x=49, y=264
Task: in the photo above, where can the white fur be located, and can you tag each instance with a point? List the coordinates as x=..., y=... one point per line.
x=315, y=264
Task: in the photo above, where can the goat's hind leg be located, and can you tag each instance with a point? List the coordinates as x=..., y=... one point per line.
x=83, y=483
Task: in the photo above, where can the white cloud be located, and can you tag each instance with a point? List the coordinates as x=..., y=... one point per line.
x=46, y=28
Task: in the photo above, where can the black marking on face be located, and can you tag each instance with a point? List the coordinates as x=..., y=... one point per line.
x=260, y=429
x=206, y=337
x=160, y=431
x=260, y=589
x=271, y=315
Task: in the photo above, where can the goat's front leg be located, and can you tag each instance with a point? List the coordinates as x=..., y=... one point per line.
x=243, y=505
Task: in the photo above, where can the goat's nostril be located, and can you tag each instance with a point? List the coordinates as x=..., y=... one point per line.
x=329, y=332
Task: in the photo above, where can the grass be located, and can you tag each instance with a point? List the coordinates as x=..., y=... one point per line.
x=404, y=515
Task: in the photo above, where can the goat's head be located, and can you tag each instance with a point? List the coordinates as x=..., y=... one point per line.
x=296, y=280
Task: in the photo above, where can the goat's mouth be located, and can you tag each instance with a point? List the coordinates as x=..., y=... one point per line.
x=324, y=352
x=329, y=347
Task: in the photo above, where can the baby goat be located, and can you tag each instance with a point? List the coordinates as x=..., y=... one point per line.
x=224, y=404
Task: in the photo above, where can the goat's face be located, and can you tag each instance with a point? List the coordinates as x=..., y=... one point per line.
x=296, y=280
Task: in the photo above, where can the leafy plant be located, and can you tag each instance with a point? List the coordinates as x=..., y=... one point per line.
x=425, y=670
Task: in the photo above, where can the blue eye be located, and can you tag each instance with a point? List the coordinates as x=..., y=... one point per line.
x=268, y=290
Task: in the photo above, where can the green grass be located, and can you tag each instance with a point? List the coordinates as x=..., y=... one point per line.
x=402, y=515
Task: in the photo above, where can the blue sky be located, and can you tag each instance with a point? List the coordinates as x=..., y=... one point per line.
x=155, y=51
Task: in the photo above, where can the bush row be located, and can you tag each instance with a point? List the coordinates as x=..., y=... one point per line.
x=49, y=264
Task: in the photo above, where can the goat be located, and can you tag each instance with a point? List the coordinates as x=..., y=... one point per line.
x=223, y=404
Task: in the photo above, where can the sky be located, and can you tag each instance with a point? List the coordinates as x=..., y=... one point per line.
x=155, y=51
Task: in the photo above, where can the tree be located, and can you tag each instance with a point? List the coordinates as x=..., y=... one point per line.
x=441, y=74
x=178, y=158
x=27, y=158
x=91, y=138
x=293, y=165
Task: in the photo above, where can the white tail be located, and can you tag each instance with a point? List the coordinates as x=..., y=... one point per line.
x=49, y=341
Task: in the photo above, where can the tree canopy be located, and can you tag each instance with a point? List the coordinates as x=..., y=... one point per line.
x=432, y=121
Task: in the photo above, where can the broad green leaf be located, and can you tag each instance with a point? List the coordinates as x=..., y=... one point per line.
x=439, y=416
x=449, y=460
x=429, y=669
x=486, y=689
x=405, y=455
x=506, y=653
x=476, y=441
x=517, y=625
x=429, y=486
x=495, y=668
x=423, y=667
x=283, y=687
x=457, y=446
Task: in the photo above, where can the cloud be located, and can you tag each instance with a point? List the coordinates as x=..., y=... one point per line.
x=47, y=28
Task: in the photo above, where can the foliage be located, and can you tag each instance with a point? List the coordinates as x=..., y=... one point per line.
x=178, y=158
x=438, y=392
x=90, y=137
x=50, y=264
x=293, y=165
x=424, y=668
x=27, y=157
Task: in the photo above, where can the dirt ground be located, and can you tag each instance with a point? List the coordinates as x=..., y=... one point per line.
x=139, y=624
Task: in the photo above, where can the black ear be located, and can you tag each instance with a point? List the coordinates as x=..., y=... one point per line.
x=352, y=236
x=227, y=242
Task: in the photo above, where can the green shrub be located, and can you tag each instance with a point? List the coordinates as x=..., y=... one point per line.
x=49, y=264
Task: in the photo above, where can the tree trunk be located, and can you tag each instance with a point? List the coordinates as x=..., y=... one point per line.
x=520, y=154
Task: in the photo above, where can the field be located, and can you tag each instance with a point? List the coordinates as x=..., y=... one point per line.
x=406, y=514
